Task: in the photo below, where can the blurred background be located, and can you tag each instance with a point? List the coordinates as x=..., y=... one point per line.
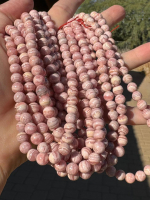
x=33, y=182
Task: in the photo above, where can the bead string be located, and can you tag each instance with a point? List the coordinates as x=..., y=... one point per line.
x=115, y=28
x=77, y=19
x=63, y=82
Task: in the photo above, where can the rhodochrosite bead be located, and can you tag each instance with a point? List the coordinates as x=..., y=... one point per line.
x=64, y=82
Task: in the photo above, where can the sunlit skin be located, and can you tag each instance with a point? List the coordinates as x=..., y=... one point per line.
x=10, y=156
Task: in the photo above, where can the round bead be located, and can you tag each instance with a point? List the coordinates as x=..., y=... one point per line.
x=147, y=170
x=130, y=178
x=140, y=176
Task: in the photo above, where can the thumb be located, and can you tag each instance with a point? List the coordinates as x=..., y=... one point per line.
x=12, y=10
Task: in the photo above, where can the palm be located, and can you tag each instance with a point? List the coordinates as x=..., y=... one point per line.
x=10, y=157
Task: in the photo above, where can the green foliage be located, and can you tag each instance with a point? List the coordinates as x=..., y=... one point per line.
x=134, y=30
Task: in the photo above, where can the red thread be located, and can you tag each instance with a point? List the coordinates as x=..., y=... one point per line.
x=77, y=19
x=115, y=28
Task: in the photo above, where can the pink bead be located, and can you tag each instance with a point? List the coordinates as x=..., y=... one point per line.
x=113, y=115
x=114, y=71
x=53, y=123
x=94, y=158
x=122, y=140
x=19, y=97
x=89, y=132
x=99, y=134
x=96, y=113
x=89, y=142
x=61, y=174
x=64, y=149
x=15, y=68
x=27, y=77
x=48, y=138
x=118, y=90
x=76, y=157
x=111, y=105
x=67, y=138
x=36, y=138
x=13, y=59
x=58, y=87
x=43, y=147
x=122, y=119
x=26, y=67
x=123, y=130
x=20, y=127
x=42, y=158
x=34, y=60
x=112, y=159
x=120, y=175
x=22, y=137
x=21, y=107
x=45, y=101
x=136, y=96
x=98, y=124
x=120, y=99
x=30, y=128
x=146, y=113
x=31, y=97
x=103, y=38
x=140, y=176
x=61, y=166
x=86, y=151
x=19, y=40
x=132, y=87
x=37, y=70
x=99, y=147
x=141, y=104
x=72, y=168
x=32, y=154
x=106, y=86
x=108, y=96
x=17, y=117
x=130, y=178
x=119, y=151
x=111, y=171
x=38, y=117
x=54, y=157
x=84, y=166
x=147, y=170
x=115, y=80
x=25, y=118
x=12, y=51
x=31, y=44
x=34, y=107
x=112, y=136
x=127, y=78
x=29, y=87
x=25, y=147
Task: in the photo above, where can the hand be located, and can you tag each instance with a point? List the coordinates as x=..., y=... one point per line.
x=10, y=157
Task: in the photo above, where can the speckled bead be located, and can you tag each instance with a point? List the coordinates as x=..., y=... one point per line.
x=130, y=178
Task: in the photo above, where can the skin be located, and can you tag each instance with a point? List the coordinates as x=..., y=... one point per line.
x=10, y=156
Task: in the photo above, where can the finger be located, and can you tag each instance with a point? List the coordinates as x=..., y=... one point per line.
x=137, y=56
x=12, y=10
x=114, y=14
x=63, y=10
x=135, y=116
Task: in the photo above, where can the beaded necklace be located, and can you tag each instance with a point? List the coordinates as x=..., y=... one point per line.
x=64, y=81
